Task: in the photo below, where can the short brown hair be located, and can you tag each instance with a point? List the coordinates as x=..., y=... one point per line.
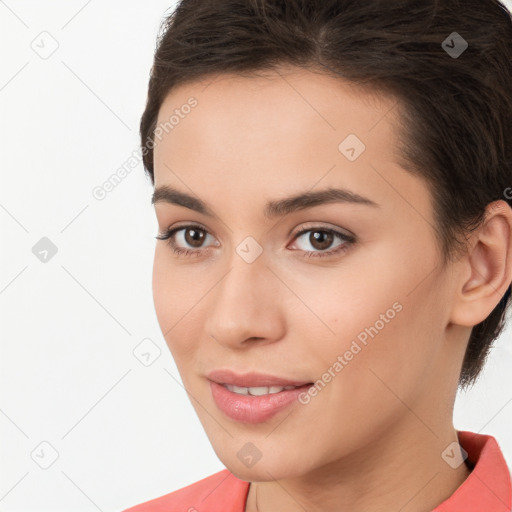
x=455, y=110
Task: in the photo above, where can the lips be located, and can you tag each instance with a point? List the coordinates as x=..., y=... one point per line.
x=253, y=409
x=252, y=379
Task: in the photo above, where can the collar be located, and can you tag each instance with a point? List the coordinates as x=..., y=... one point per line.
x=488, y=487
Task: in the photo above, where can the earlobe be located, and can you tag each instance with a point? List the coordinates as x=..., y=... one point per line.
x=489, y=263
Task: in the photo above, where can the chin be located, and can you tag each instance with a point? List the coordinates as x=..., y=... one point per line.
x=263, y=471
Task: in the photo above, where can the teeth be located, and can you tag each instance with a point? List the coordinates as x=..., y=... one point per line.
x=257, y=391
x=236, y=389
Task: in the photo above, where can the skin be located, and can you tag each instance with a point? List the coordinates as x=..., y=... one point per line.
x=372, y=439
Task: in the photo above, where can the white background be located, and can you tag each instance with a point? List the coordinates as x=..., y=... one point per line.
x=124, y=432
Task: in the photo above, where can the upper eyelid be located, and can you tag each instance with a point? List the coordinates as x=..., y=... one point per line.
x=303, y=226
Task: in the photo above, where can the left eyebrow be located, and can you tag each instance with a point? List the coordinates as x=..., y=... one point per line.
x=276, y=208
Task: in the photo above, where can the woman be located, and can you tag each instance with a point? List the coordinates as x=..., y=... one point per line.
x=334, y=258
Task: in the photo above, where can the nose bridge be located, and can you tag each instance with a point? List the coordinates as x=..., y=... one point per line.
x=244, y=302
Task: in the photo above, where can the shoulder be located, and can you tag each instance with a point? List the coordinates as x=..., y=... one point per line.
x=222, y=492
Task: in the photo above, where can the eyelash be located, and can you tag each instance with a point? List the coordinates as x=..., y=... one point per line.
x=349, y=240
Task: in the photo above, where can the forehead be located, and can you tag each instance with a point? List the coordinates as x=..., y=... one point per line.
x=277, y=111
x=288, y=128
x=287, y=101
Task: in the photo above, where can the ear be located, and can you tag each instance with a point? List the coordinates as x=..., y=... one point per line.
x=488, y=263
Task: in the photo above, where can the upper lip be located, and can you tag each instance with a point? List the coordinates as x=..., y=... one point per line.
x=252, y=379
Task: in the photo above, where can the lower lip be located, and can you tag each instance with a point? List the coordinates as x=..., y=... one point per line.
x=253, y=409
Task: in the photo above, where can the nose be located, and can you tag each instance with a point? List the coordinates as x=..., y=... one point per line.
x=247, y=305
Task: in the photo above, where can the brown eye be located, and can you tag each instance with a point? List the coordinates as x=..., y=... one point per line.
x=186, y=240
x=321, y=240
x=194, y=237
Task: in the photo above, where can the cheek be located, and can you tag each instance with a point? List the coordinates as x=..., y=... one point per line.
x=375, y=337
x=390, y=362
x=174, y=298
x=162, y=291
x=176, y=289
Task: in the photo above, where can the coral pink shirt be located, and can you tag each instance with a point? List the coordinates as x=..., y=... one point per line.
x=486, y=489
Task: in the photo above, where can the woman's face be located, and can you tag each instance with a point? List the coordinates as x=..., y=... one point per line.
x=363, y=313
